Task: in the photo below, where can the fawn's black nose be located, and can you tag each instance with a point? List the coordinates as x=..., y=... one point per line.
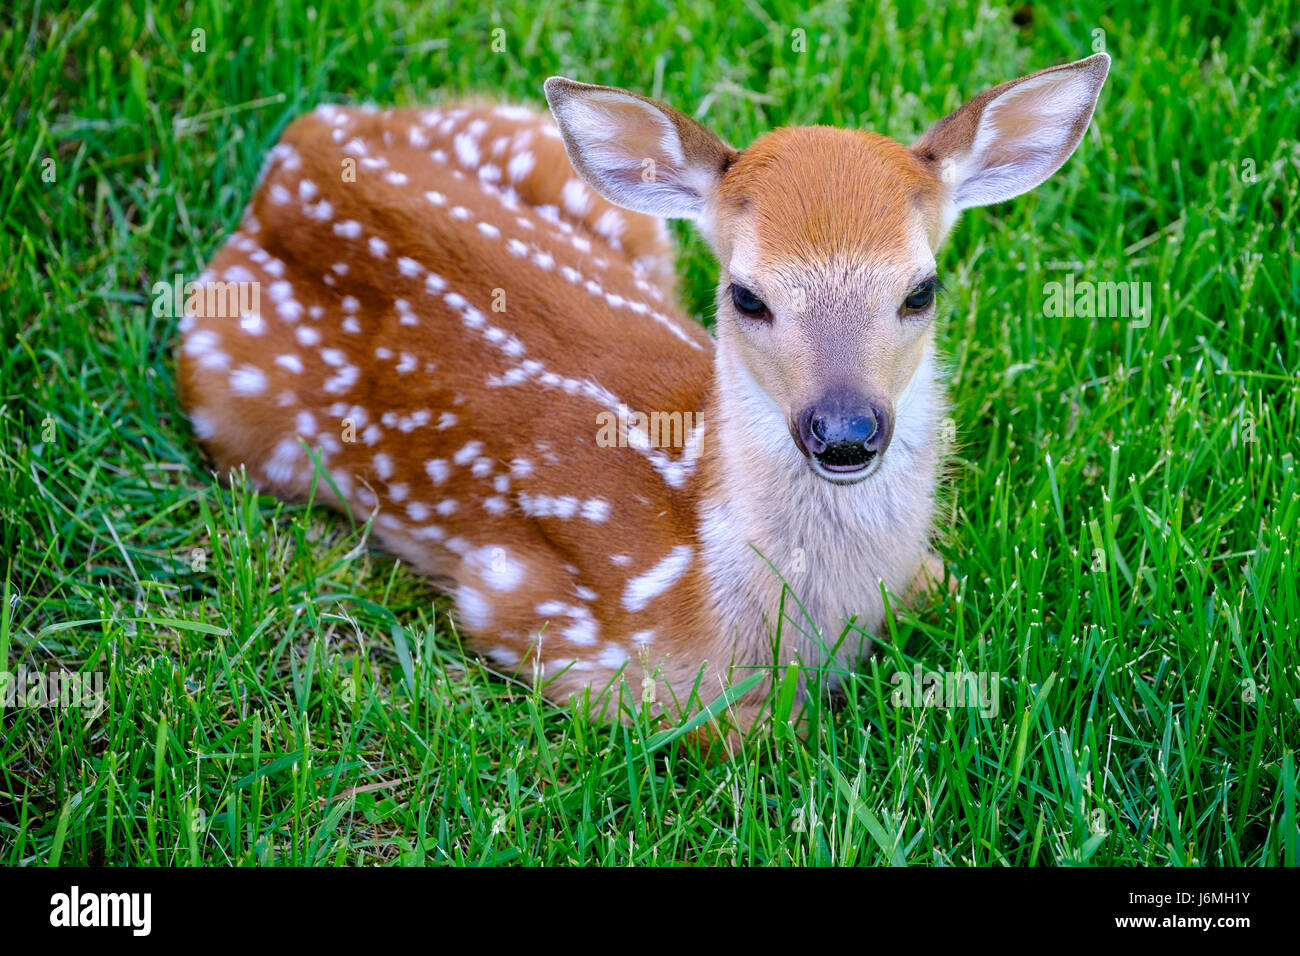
x=844, y=433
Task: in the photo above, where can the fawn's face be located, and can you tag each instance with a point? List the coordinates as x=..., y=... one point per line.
x=826, y=301
x=826, y=238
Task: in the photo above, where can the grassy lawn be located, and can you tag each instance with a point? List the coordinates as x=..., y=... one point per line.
x=1123, y=512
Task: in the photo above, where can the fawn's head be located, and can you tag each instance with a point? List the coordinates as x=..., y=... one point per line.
x=827, y=237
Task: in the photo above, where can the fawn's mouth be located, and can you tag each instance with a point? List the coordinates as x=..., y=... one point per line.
x=844, y=474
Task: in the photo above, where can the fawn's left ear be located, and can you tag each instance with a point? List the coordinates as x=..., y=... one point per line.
x=1009, y=139
x=635, y=152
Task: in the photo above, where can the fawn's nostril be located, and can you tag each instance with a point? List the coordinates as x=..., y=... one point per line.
x=819, y=430
x=859, y=428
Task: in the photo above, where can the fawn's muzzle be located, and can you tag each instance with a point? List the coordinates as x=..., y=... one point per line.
x=843, y=434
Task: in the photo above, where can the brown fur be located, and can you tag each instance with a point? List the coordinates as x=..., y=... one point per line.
x=821, y=193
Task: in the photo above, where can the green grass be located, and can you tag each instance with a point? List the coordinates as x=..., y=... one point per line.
x=1124, y=505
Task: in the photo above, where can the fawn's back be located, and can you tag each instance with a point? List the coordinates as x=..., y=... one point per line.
x=444, y=311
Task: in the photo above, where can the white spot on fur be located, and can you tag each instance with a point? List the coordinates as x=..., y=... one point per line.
x=248, y=380
x=467, y=150
x=577, y=198
x=468, y=453
x=204, y=426
x=520, y=165
x=644, y=588
x=280, y=465
x=200, y=342
x=612, y=656
x=343, y=381
x=474, y=610
x=498, y=569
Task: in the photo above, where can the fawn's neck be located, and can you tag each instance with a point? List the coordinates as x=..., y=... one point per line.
x=763, y=512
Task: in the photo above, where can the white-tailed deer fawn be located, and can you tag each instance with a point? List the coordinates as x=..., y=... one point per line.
x=480, y=342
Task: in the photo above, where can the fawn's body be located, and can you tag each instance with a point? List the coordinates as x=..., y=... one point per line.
x=448, y=327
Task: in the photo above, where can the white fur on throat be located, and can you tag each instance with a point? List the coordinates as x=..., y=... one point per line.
x=833, y=544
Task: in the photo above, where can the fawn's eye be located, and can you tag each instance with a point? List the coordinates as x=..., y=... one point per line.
x=920, y=298
x=747, y=303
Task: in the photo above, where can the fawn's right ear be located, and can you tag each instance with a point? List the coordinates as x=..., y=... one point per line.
x=637, y=153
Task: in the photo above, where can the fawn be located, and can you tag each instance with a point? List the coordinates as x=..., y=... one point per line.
x=448, y=327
